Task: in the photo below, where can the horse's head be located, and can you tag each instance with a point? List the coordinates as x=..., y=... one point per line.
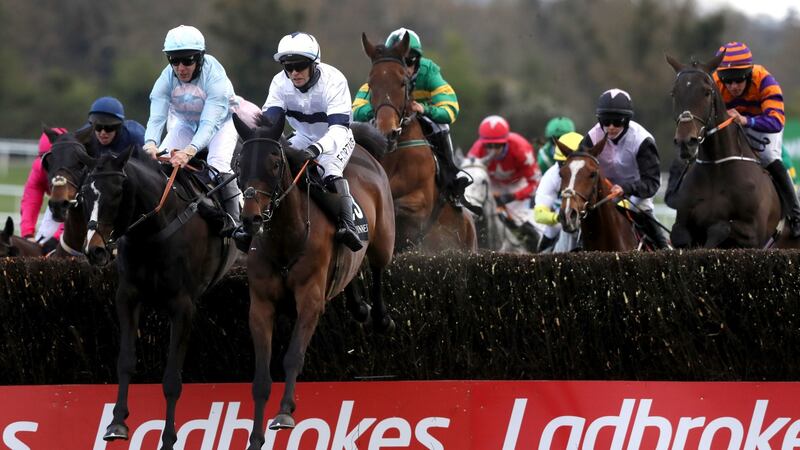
x=6, y=248
x=389, y=84
x=697, y=104
x=105, y=205
x=580, y=183
x=66, y=165
x=479, y=192
x=263, y=171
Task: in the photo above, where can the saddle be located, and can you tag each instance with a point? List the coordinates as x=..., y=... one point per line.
x=195, y=184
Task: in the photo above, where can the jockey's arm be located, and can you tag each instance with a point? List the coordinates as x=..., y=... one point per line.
x=649, y=172
x=215, y=111
x=362, y=108
x=159, y=107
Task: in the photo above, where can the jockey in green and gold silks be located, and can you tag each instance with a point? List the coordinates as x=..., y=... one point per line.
x=433, y=99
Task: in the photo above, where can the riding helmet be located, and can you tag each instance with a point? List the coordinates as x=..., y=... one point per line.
x=494, y=130
x=107, y=111
x=558, y=126
x=298, y=46
x=737, y=61
x=414, y=42
x=615, y=103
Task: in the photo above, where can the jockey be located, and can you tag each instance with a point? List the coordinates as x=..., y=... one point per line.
x=555, y=128
x=194, y=91
x=112, y=132
x=434, y=99
x=512, y=170
x=36, y=187
x=315, y=98
x=629, y=159
x=548, y=197
x=755, y=102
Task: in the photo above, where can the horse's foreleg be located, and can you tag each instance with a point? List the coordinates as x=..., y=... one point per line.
x=381, y=319
x=181, y=310
x=355, y=301
x=128, y=315
x=680, y=236
x=310, y=305
x=262, y=319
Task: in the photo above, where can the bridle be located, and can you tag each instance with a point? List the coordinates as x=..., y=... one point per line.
x=712, y=118
x=591, y=202
x=278, y=192
x=59, y=180
x=404, y=119
x=93, y=224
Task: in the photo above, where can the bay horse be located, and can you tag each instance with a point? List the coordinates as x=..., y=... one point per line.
x=294, y=257
x=586, y=203
x=66, y=165
x=726, y=199
x=166, y=258
x=13, y=246
x=425, y=219
x=492, y=231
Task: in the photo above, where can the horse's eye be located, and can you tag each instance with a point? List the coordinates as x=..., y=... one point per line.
x=593, y=175
x=708, y=92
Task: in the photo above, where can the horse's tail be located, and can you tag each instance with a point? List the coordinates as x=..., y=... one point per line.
x=370, y=138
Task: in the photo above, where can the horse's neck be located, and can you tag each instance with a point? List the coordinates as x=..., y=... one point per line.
x=607, y=228
x=26, y=247
x=725, y=142
x=412, y=130
x=288, y=223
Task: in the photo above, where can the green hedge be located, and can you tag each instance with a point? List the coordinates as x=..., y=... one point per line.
x=700, y=315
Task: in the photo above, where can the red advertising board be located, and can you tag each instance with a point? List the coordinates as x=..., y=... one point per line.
x=458, y=415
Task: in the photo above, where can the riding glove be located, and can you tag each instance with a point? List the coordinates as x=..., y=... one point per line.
x=151, y=149
x=502, y=199
x=310, y=152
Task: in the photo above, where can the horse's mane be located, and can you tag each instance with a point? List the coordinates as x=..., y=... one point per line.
x=370, y=138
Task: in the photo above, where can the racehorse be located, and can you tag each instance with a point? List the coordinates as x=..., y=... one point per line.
x=726, y=198
x=12, y=246
x=66, y=165
x=294, y=256
x=425, y=219
x=493, y=231
x=586, y=203
x=167, y=256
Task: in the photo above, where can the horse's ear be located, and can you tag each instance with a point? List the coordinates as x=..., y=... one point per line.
x=88, y=160
x=84, y=135
x=46, y=161
x=120, y=160
x=51, y=133
x=563, y=147
x=598, y=147
x=244, y=131
x=369, y=48
x=712, y=65
x=404, y=45
x=676, y=65
x=9, y=229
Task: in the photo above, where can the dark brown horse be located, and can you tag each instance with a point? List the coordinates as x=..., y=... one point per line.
x=425, y=218
x=586, y=204
x=294, y=257
x=166, y=258
x=66, y=165
x=726, y=199
x=13, y=246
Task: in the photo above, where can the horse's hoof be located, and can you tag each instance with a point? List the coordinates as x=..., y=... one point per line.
x=116, y=431
x=282, y=422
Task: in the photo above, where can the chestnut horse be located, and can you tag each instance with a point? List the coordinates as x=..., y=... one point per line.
x=425, y=219
x=167, y=257
x=586, y=204
x=294, y=258
x=726, y=199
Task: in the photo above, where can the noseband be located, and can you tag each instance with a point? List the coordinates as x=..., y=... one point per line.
x=60, y=180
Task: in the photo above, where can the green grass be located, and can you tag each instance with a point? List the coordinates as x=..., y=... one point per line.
x=16, y=175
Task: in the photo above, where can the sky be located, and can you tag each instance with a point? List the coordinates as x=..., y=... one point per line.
x=775, y=9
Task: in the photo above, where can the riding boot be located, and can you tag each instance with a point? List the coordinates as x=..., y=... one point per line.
x=531, y=236
x=791, y=207
x=229, y=196
x=346, y=229
x=653, y=230
x=547, y=244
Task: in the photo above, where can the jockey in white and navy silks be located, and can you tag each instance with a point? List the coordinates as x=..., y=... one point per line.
x=197, y=96
x=629, y=159
x=314, y=98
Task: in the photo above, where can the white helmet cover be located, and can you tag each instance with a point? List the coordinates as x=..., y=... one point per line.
x=298, y=44
x=184, y=37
